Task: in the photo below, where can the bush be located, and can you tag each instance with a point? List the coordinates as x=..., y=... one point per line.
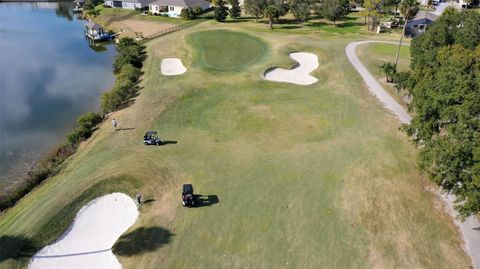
x=221, y=11
x=129, y=52
x=129, y=72
x=389, y=69
x=188, y=14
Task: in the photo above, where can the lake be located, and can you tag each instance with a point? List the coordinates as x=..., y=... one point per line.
x=49, y=75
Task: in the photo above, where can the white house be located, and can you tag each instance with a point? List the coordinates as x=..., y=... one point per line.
x=128, y=4
x=173, y=8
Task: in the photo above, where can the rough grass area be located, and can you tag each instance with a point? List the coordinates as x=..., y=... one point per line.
x=374, y=54
x=290, y=176
x=223, y=50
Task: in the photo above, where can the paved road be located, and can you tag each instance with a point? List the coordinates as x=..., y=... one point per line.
x=471, y=236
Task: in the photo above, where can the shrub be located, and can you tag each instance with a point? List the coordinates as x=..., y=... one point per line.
x=389, y=69
x=129, y=72
x=188, y=14
x=129, y=52
x=221, y=11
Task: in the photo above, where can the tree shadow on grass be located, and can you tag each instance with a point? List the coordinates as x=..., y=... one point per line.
x=16, y=247
x=142, y=240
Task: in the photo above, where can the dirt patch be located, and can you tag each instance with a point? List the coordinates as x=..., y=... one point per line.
x=131, y=26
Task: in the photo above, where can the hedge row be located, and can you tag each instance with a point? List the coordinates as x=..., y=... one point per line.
x=127, y=67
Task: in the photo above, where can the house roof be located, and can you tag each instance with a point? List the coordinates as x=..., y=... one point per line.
x=422, y=19
x=142, y=2
x=181, y=3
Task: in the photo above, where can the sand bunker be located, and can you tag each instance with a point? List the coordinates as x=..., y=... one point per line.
x=307, y=62
x=172, y=67
x=88, y=242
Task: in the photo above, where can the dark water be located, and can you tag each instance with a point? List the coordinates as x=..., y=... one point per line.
x=49, y=75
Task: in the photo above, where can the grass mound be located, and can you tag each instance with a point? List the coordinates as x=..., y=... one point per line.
x=223, y=50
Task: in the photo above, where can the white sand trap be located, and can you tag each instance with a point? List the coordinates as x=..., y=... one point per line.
x=307, y=62
x=172, y=67
x=88, y=242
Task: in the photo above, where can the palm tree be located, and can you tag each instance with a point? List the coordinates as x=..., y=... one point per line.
x=408, y=8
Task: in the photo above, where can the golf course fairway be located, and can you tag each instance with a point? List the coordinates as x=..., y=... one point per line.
x=291, y=176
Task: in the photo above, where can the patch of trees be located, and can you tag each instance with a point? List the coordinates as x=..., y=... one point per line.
x=302, y=10
x=444, y=81
x=127, y=67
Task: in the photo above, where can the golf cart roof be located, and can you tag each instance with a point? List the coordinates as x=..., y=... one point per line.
x=187, y=188
x=150, y=132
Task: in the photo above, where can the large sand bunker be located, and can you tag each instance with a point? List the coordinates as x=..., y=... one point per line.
x=88, y=242
x=307, y=62
x=172, y=67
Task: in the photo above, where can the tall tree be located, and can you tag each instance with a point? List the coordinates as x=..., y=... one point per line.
x=255, y=8
x=408, y=9
x=371, y=11
x=444, y=83
x=221, y=11
x=333, y=10
x=274, y=9
x=300, y=9
x=236, y=10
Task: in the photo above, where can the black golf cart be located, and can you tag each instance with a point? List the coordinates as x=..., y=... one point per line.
x=188, y=198
x=151, y=138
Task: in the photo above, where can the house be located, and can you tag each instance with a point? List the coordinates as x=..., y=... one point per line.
x=419, y=24
x=173, y=8
x=128, y=4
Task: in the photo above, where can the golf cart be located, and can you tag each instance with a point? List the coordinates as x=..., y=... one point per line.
x=188, y=199
x=151, y=138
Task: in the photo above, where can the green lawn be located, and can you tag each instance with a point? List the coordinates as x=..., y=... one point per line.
x=373, y=55
x=223, y=50
x=294, y=177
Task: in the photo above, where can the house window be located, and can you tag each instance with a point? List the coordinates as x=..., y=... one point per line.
x=171, y=8
x=156, y=8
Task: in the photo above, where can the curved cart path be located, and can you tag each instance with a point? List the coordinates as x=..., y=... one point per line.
x=470, y=235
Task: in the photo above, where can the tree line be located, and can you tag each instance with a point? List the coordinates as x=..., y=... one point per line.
x=444, y=83
x=272, y=10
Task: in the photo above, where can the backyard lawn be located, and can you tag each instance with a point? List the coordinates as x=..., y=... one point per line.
x=292, y=176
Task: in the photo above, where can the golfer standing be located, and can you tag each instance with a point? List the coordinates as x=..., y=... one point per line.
x=139, y=199
x=114, y=124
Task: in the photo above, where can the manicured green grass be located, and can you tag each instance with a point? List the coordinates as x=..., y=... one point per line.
x=110, y=12
x=305, y=177
x=223, y=50
x=373, y=55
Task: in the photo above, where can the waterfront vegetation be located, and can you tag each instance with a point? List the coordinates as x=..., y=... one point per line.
x=303, y=176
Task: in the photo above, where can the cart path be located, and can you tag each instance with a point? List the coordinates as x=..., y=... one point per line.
x=470, y=235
